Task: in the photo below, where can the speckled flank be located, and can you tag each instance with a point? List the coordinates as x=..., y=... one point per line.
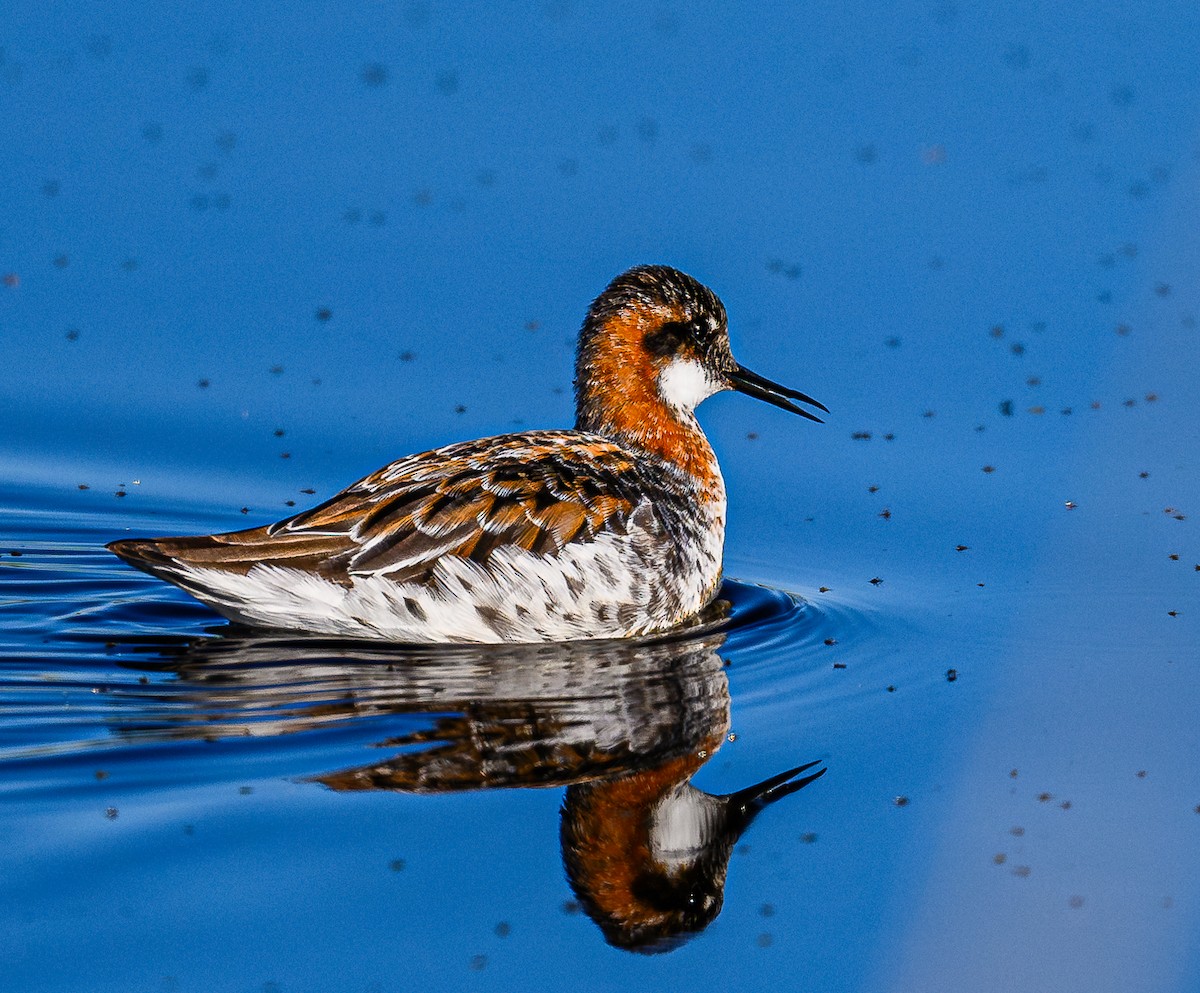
x=611, y=586
x=534, y=537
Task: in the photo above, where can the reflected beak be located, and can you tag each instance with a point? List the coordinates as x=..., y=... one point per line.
x=761, y=388
x=752, y=799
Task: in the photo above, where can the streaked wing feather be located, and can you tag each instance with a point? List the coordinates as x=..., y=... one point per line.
x=538, y=491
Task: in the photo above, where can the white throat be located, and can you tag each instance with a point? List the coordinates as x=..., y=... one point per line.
x=684, y=383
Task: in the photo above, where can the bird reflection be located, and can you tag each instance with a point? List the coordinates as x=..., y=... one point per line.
x=623, y=725
x=647, y=852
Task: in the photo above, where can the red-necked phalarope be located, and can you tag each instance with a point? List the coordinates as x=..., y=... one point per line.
x=612, y=530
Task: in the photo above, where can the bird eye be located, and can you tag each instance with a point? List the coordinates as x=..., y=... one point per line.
x=665, y=340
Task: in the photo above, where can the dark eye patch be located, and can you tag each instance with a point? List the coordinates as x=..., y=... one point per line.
x=667, y=339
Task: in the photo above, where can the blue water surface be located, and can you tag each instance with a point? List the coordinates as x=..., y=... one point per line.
x=249, y=254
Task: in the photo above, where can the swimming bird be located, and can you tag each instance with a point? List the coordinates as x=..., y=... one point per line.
x=612, y=530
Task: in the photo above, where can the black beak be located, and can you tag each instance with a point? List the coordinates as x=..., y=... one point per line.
x=752, y=799
x=761, y=388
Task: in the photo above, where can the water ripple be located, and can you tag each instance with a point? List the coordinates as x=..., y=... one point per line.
x=104, y=664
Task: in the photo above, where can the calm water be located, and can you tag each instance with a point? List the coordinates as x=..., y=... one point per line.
x=249, y=257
